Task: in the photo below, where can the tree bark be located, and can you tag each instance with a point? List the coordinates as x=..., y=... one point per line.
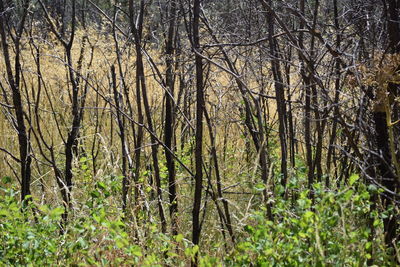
x=169, y=116
x=199, y=129
x=13, y=80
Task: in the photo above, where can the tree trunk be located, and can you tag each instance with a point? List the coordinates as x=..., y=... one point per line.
x=169, y=116
x=199, y=129
x=13, y=80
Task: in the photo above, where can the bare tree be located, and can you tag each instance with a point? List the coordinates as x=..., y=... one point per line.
x=14, y=79
x=169, y=111
x=199, y=126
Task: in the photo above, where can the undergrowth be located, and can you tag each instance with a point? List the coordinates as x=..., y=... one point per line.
x=326, y=228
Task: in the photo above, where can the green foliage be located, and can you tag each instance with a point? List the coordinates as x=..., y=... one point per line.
x=22, y=241
x=33, y=235
x=98, y=236
x=333, y=231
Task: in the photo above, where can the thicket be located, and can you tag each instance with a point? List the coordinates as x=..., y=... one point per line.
x=333, y=231
x=210, y=133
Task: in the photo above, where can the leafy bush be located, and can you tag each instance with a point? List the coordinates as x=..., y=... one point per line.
x=333, y=228
x=22, y=241
x=334, y=231
x=34, y=236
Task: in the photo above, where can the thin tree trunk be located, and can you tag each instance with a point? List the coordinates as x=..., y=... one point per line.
x=169, y=116
x=307, y=106
x=332, y=140
x=280, y=97
x=154, y=154
x=137, y=33
x=126, y=161
x=389, y=179
x=199, y=129
x=13, y=80
x=227, y=222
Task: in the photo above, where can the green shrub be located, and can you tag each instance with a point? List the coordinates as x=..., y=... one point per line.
x=334, y=231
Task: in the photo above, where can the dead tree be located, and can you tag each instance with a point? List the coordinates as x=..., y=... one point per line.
x=13, y=77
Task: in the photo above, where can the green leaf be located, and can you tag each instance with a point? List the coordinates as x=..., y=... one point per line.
x=353, y=178
x=6, y=180
x=348, y=195
x=101, y=185
x=95, y=194
x=96, y=218
x=179, y=238
x=195, y=249
x=136, y=251
x=121, y=242
x=248, y=229
x=308, y=214
x=172, y=254
x=4, y=213
x=56, y=213
x=259, y=187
